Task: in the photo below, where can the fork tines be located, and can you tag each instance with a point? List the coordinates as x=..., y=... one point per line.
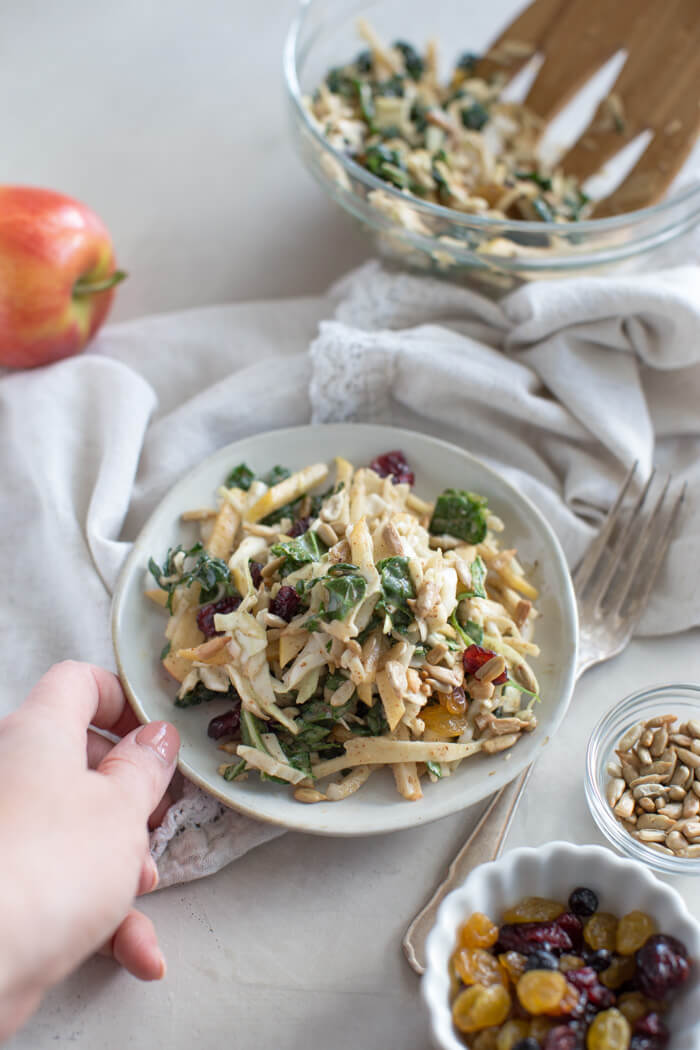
x=618, y=571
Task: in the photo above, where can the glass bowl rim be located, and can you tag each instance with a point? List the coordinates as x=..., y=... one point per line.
x=595, y=790
x=502, y=226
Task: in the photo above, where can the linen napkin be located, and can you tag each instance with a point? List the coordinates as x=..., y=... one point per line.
x=561, y=386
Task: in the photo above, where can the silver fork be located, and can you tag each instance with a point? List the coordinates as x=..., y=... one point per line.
x=612, y=583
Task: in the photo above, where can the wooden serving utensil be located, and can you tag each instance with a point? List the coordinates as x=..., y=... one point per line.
x=657, y=90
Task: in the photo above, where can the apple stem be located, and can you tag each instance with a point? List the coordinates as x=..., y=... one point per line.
x=85, y=287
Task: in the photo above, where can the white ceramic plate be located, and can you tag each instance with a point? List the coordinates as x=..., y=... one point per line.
x=137, y=628
x=553, y=870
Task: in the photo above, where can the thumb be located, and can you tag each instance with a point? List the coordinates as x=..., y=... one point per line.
x=142, y=764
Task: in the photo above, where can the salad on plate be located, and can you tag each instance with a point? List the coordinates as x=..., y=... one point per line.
x=351, y=625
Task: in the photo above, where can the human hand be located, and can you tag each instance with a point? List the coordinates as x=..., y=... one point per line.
x=74, y=811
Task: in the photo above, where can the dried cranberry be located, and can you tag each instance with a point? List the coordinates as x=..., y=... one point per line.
x=585, y=980
x=573, y=926
x=285, y=603
x=562, y=1038
x=645, y=1042
x=599, y=960
x=475, y=656
x=662, y=965
x=652, y=1024
x=529, y=937
x=542, y=960
x=226, y=724
x=300, y=526
x=206, y=614
x=393, y=465
x=583, y=901
x=255, y=573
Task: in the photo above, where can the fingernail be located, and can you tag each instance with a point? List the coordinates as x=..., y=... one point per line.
x=163, y=967
x=162, y=738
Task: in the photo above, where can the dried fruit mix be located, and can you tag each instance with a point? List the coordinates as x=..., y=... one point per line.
x=556, y=977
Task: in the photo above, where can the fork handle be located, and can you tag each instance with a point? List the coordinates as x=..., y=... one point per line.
x=483, y=844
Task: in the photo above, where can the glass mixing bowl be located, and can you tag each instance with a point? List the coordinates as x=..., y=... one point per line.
x=497, y=253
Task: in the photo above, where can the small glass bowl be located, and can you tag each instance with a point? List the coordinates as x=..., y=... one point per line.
x=495, y=254
x=682, y=700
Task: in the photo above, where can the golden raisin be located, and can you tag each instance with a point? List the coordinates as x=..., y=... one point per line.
x=633, y=930
x=455, y=983
x=513, y=965
x=570, y=962
x=601, y=931
x=635, y=1005
x=621, y=969
x=477, y=966
x=533, y=909
x=539, y=1026
x=479, y=1007
x=486, y=1039
x=511, y=1033
x=440, y=721
x=455, y=702
x=478, y=932
x=609, y=1030
x=542, y=991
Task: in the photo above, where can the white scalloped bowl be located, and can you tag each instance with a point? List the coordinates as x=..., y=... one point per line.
x=553, y=870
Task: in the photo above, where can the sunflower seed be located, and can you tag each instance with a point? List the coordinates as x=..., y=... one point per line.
x=689, y=757
x=646, y=738
x=675, y=841
x=680, y=739
x=656, y=821
x=674, y=810
x=660, y=720
x=631, y=737
x=614, y=791
x=647, y=804
x=659, y=848
x=613, y=769
x=676, y=793
x=648, y=790
x=649, y=835
x=682, y=775
x=693, y=726
x=625, y=806
x=696, y=787
x=691, y=851
x=644, y=756
x=691, y=805
x=658, y=743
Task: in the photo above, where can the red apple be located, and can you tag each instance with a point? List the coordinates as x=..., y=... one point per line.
x=57, y=276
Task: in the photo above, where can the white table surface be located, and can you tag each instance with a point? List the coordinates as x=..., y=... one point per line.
x=169, y=120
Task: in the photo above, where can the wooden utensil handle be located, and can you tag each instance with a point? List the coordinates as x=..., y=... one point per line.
x=483, y=844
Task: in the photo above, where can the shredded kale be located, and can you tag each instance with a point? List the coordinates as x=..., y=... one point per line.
x=412, y=60
x=387, y=164
x=391, y=88
x=300, y=551
x=474, y=116
x=375, y=723
x=165, y=650
x=435, y=768
x=467, y=61
x=543, y=181
x=197, y=566
x=366, y=100
x=469, y=632
x=460, y=514
x=234, y=770
x=478, y=572
x=241, y=477
x=363, y=62
x=396, y=588
x=199, y=694
x=542, y=209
